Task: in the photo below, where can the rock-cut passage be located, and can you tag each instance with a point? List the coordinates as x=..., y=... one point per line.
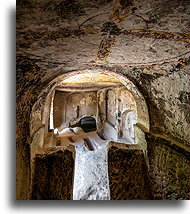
x=91, y=168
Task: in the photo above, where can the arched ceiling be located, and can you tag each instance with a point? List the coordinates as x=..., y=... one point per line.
x=88, y=79
x=147, y=41
x=118, y=32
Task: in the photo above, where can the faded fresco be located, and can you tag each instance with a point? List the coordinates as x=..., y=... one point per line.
x=126, y=64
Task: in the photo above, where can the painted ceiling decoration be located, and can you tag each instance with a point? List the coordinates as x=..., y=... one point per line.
x=124, y=24
x=123, y=63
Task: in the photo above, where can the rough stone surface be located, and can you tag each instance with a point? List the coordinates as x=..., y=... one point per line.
x=58, y=28
x=169, y=170
x=53, y=176
x=128, y=174
x=69, y=107
x=140, y=139
x=167, y=93
x=91, y=180
x=145, y=41
x=23, y=171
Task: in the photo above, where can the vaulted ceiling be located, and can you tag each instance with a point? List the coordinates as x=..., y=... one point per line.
x=147, y=41
x=118, y=32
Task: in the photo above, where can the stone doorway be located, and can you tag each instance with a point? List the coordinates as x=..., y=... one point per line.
x=99, y=95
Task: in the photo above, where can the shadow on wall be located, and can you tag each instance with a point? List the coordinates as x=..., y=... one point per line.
x=115, y=110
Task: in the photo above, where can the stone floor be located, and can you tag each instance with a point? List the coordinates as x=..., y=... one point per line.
x=91, y=169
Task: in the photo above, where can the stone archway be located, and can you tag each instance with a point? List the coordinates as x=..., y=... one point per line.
x=142, y=110
x=85, y=158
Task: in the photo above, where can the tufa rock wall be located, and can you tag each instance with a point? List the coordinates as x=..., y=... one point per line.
x=53, y=176
x=169, y=170
x=128, y=175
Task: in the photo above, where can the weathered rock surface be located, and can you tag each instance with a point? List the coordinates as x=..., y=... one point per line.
x=145, y=41
x=53, y=176
x=128, y=173
x=91, y=180
x=169, y=170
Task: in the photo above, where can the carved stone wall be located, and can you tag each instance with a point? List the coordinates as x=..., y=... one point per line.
x=70, y=107
x=169, y=169
x=53, y=176
x=128, y=173
x=146, y=41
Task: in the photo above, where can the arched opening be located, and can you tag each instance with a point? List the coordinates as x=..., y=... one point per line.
x=90, y=110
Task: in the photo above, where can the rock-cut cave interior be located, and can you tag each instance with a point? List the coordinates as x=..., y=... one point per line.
x=103, y=100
